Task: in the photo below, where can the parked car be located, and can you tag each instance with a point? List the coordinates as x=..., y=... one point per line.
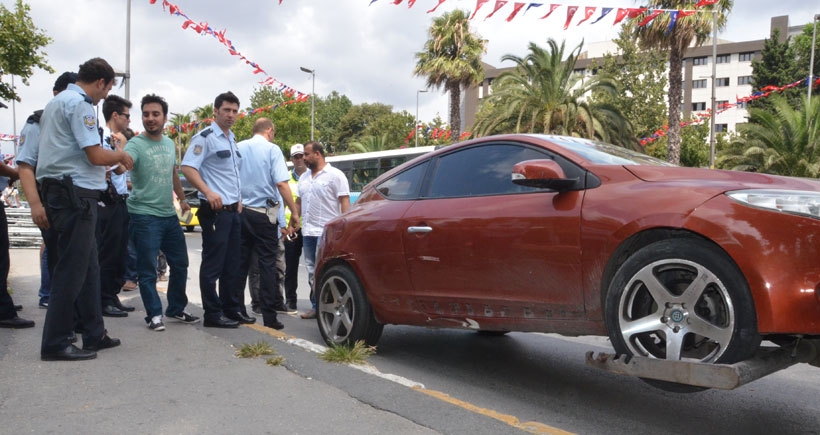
x=576, y=237
x=193, y=201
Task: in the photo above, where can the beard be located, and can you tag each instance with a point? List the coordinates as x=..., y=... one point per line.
x=153, y=131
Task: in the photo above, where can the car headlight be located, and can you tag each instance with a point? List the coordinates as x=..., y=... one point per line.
x=790, y=201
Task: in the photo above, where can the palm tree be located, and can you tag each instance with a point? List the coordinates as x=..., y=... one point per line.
x=543, y=94
x=785, y=141
x=203, y=114
x=182, y=132
x=368, y=144
x=452, y=59
x=696, y=27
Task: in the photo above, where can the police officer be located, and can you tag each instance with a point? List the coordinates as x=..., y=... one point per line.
x=71, y=172
x=211, y=165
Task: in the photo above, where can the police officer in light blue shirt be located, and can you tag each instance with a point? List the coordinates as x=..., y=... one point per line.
x=264, y=176
x=71, y=170
x=211, y=164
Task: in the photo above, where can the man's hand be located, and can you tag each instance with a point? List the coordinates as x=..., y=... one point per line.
x=38, y=215
x=295, y=220
x=127, y=161
x=118, y=141
x=214, y=200
x=184, y=206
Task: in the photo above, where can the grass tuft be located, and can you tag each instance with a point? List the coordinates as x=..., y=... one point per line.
x=254, y=350
x=356, y=354
x=277, y=360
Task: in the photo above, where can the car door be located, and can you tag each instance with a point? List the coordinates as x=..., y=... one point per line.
x=477, y=245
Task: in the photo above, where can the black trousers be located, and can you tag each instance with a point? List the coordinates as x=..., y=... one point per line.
x=76, y=274
x=112, y=246
x=221, y=251
x=6, y=303
x=261, y=237
x=293, y=251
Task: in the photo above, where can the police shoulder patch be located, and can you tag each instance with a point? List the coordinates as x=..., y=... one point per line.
x=90, y=122
x=197, y=149
x=22, y=140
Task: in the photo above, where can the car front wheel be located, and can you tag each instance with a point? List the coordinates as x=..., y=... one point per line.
x=343, y=311
x=682, y=299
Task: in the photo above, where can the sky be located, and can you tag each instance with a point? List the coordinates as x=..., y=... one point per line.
x=360, y=49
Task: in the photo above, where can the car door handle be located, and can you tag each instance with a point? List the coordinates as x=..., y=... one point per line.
x=413, y=230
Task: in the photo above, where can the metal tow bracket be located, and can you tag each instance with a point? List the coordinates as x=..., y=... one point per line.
x=722, y=376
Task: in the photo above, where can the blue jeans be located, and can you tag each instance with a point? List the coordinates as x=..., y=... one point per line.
x=131, y=263
x=150, y=234
x=309, y=247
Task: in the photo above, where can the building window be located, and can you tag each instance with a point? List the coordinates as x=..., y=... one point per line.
x=700, y=61
x=722, y=82
x=724, y=58
x=698, y=84
x=747, y=56
x=699, y=106
x=721, y=104
x=721, y=128
x=742, y=105
x=744, y=80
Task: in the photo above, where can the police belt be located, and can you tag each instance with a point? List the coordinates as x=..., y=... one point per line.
x=230, y=207
x=118, y=198
x=82, y=192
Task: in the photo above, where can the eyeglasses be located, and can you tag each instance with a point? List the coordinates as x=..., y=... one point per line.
x=126, y=115
x=297, y=156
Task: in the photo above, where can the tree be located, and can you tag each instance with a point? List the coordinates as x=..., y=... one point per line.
x=694, y=148
x=369, y=144
x=327, y=116
x=354, y=124
x=544, y=94
x=20, y=48
x=181, y=134
x=451, y=59
x=393, y=126
x=784, y=142
x=776, y=66
x=692, y=28
x=641, y=81
x=291, y=121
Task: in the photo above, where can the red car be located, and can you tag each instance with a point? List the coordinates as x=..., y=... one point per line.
x=576, y=237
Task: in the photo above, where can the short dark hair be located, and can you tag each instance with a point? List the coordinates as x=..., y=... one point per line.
x=316, y=147
x=95, y=69
x=154, y=98
x=114, y=103
x=228, y=97
x=64, y=80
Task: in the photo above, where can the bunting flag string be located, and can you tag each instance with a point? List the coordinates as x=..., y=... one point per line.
x=436, y=133
x=193, y=126
x=203, y=28
x=701, y=117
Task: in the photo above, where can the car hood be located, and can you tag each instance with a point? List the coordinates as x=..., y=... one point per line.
x=721, y=179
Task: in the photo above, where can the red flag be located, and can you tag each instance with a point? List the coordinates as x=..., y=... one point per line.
x=682, y=13
x=703, y=3
x=516, y=8
x=635, y=12
x=587, y=13
x=553, y=7
x=571, y=10
x=650, y=17
x=620, y=15
x=436, y=6
x=410, y=3
x=396, y=2
x=478, y=5
x=498, y=5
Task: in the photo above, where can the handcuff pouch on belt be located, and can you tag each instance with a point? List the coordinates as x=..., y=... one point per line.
x=272, y=210
x=65, y=186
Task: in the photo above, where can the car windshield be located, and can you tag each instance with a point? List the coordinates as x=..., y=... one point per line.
x=601, y=153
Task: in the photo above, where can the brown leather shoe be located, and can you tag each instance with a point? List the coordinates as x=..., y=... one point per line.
x=308, y=315
x=129, y=286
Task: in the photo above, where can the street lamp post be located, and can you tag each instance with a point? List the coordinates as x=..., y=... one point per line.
x=127, y=76
x=811, y=61
x=312, y=72
x=416, y=133
x=714, y=100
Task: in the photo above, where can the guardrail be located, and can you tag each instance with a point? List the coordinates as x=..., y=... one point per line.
x=23, y=233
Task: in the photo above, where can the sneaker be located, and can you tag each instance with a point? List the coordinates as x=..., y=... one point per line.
x=129, y=286
x=185, y=317
x=43, y=304
x=156, y=324
x=292, y=305
x=162, y=277
x=284, y=309
x=308, y=315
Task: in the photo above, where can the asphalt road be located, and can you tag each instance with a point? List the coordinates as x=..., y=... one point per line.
x=421, y=380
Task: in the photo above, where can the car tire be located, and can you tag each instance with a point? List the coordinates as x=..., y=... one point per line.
x=189, y=228
x=486, y=333
x=650, y=300
x=343, y=312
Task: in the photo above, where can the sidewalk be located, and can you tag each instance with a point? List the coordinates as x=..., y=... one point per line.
x=184, y=380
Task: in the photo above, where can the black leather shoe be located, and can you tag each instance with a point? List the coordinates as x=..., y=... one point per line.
x=105, y=342
x=16, y=323
x=241, y=318
x=18, y=308
x=112, y=311
x=126, y=308
x=275, y=325
x=220, y=322
x=73, y=337
x=70, y=353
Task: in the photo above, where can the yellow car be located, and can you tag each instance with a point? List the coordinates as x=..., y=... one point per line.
x=188, y=221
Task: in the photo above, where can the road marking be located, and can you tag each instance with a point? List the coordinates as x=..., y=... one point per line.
x=533, y=427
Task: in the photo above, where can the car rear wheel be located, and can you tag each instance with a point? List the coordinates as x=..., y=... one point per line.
x=682, y=299
x=343, y=311
x=189, y=228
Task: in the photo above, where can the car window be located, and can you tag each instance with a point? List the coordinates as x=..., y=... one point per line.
x=481, y=170
x=404, y=185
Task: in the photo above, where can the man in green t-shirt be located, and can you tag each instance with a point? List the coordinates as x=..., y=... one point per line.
x=153, y=220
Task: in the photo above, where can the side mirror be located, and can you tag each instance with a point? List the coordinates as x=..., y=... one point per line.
x=544, y=174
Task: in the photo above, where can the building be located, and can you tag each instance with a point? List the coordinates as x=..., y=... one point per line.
x=733, y=76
